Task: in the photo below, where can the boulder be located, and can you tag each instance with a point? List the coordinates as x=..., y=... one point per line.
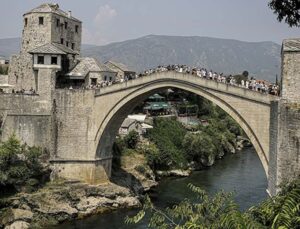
x=18, y=225
x=174, y=172
x=12, y=215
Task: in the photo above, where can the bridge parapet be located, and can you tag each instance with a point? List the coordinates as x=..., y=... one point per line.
x=187, y=78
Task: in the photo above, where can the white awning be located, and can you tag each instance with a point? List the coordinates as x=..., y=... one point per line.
x=146, y=126
x=5, y=85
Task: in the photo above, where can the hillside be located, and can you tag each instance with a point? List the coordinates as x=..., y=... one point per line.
x=261, y=59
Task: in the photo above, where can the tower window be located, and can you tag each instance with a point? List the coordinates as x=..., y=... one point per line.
x=73, y=46
x=57, y=22
x=66, y=25
x=67, y=44
x=76, y=28
x=40, y=60
x=54, y=60
x=41, y=20
x=62, y=41
x=26, y=21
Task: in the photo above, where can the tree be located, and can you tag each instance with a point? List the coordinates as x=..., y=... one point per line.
x=131, y=139
x=287, y=10
x=245, y=73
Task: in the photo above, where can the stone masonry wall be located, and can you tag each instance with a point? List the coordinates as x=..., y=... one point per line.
x=290, y=89
x=68, y=35
x=285, y=119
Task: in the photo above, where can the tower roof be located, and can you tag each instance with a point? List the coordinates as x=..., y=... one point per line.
x=52, y=48
x=51, y=8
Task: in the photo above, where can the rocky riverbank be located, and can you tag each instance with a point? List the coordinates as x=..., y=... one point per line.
x=61, y=201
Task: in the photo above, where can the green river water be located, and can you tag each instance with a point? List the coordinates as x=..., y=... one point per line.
x=241, y=173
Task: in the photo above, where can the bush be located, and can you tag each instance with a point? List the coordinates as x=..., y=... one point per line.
x=131, y=139
x=18, y=163
x=168, y=135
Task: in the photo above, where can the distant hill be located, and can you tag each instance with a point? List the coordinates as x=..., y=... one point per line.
x=261, y=59
x=9, y=46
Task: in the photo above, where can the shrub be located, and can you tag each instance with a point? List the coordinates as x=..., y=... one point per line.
x=18, y=163
x=131, y=139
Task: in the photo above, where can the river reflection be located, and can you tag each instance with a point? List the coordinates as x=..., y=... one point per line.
x=241, y=173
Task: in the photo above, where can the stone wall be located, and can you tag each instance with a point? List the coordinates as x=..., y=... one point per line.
x=68, y=35
x=290, y=88
x=35, y=35
x=3, y=79
x=28, y=117
x=20, y=73
x=285, y=120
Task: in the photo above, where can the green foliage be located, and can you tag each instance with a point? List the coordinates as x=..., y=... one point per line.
x=131, y=139
x=3, y=69
x=18, y=163
x=281, y=211
x=153, y=155
x=199, y=146
x=208, y=212
x=221, y=212
x=168, y=134
x=288, y=10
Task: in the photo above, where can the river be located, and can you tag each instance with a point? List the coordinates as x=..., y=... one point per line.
x=241, y=173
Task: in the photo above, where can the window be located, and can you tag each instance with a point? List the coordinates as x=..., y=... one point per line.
x=76, y=28
x=94, y=81
x=62, y=41
x=41, y=20
x=26, y=21
x=105, y=78
x=40, y=60
x=54, y=60
x=110, y=78
x=66, y=25
x=57, y=22
x=73, y=46
x=67, y=44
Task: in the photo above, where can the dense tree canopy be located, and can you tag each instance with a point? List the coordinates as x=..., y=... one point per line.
x=287, y=10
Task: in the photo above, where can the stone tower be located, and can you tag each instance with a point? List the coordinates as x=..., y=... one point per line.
x=285, y=120
x=51, y=39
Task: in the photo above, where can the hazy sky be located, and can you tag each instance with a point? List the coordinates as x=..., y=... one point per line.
x=106, y=21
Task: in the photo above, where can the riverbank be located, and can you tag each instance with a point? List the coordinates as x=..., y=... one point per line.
x=59, y=201
x=241, y=172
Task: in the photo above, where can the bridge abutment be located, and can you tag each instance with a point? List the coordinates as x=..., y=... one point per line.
x=90, y=171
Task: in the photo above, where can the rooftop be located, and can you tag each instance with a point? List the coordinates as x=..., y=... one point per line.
x=86, y=65
x=128, y=122
x=51, y=8
x=53, y=48
x=120, y=66
x=291, y=45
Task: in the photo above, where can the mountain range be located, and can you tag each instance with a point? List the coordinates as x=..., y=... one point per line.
x=260, y=59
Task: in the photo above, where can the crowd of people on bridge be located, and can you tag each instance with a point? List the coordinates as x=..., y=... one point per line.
x=261, y=86
x=251, y=84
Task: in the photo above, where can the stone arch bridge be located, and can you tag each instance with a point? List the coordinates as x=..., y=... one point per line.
x=87, y=121
x=78, y=127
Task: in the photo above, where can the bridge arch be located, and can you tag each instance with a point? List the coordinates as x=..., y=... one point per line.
x=109, y=125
